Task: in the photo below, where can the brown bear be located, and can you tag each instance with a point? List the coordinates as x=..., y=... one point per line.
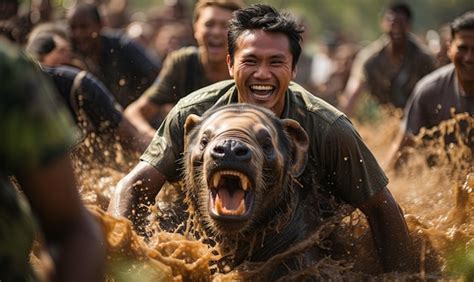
x=241, y=162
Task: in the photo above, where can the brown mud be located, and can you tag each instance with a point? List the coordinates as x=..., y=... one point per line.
x=438, y=202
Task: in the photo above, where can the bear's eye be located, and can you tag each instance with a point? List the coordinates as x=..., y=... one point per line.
x=203, y=143
x=267, y=146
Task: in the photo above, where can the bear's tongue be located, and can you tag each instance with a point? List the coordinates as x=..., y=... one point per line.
x=227, y=203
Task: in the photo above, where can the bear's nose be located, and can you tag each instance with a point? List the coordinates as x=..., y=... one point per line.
x=231, y=150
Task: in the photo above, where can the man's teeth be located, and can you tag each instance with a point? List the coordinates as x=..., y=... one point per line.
x=261, y=87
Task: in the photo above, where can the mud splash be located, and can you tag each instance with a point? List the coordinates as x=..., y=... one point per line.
x=438, y=202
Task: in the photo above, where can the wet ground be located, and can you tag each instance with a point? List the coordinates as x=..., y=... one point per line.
x=438, y=202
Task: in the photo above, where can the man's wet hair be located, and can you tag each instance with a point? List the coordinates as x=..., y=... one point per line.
x=463, y=22
x=400, y=8
x=91, y=10
x=230, y=5
x=267, y=18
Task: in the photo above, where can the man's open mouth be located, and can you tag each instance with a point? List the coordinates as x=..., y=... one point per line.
x=230, y=195
x=262, y=91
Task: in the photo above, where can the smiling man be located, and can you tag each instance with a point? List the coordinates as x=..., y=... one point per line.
x=188, y=68
x=444, y=92
x=264, y=47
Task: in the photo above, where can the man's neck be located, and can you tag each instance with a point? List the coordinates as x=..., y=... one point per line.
x=215, y=71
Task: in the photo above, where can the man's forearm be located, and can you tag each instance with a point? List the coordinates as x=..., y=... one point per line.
x=390, y=232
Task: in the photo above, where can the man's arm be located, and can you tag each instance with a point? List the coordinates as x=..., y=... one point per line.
x=389, y=231
x=135, y=193
x=142, y=112
x=131, y=137
x=349, y=98
x=74, y=239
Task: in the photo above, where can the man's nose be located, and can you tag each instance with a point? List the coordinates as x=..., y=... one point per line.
x=262, y=72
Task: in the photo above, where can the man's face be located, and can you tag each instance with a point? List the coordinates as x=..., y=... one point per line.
x=396, y=26
x=461, y=53
x=84, y=32
x=262, y=68
x=210, y=31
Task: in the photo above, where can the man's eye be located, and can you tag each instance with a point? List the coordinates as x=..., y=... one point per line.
x=250, y=62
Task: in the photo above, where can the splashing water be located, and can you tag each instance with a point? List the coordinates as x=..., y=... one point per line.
x=437, y=200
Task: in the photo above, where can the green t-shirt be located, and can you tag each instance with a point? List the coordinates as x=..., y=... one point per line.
x=182, y=73
x=339, y=161
x=34, y=130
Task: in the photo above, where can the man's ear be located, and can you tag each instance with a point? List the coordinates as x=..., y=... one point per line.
x=230, y=65
x=293, y=73
x=300, y=142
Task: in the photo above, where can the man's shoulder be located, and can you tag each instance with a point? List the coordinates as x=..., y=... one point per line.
x=313, y=106
x=183, y=55
x=434, y=81
x=372, y=50
x=208, y=94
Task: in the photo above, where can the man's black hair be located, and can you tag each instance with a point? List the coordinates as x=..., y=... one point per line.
x=401, y=8
x=267, y=18
x=88, y=9
x=463, y=22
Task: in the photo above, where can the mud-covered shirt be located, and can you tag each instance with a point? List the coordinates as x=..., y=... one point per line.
x=436, y=98
x=182, y=74
x=339, y=161
x=95, y=99
x=388, y=83
x=34, y=130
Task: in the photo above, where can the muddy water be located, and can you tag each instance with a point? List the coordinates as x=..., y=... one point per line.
x=437, y=200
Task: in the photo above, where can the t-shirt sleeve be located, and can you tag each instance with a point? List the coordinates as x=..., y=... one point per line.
x=165, y=150
x=143, y=65
x=35, y=127
x=100, y=106
x=352, y=172
x=167, y=87
x=415, y=113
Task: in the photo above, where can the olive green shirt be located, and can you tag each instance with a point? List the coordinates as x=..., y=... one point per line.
x=34, y=130
x=339, y=161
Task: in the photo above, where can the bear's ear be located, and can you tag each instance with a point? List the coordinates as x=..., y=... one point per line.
x=300, y=142
x=191, y=121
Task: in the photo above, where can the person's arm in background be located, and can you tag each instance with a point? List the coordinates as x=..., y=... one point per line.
x=74, y=239
x=143, y=112
x=355, y=85
x=351, y=95
x=102, y=109
x=389, y=231
x=135, y=193
x=155, y=103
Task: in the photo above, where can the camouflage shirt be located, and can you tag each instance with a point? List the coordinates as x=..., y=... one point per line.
x=34, y=130
x=339, y=161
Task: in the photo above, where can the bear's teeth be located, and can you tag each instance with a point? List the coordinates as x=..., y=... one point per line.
x=244, y=180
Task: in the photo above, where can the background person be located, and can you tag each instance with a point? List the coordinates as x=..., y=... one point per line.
x=189, y=68
x=123, y=65
x=36, y=134
x=444, y=92
x=390, y=66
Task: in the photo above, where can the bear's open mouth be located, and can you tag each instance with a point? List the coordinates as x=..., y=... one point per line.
x=230, y=195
